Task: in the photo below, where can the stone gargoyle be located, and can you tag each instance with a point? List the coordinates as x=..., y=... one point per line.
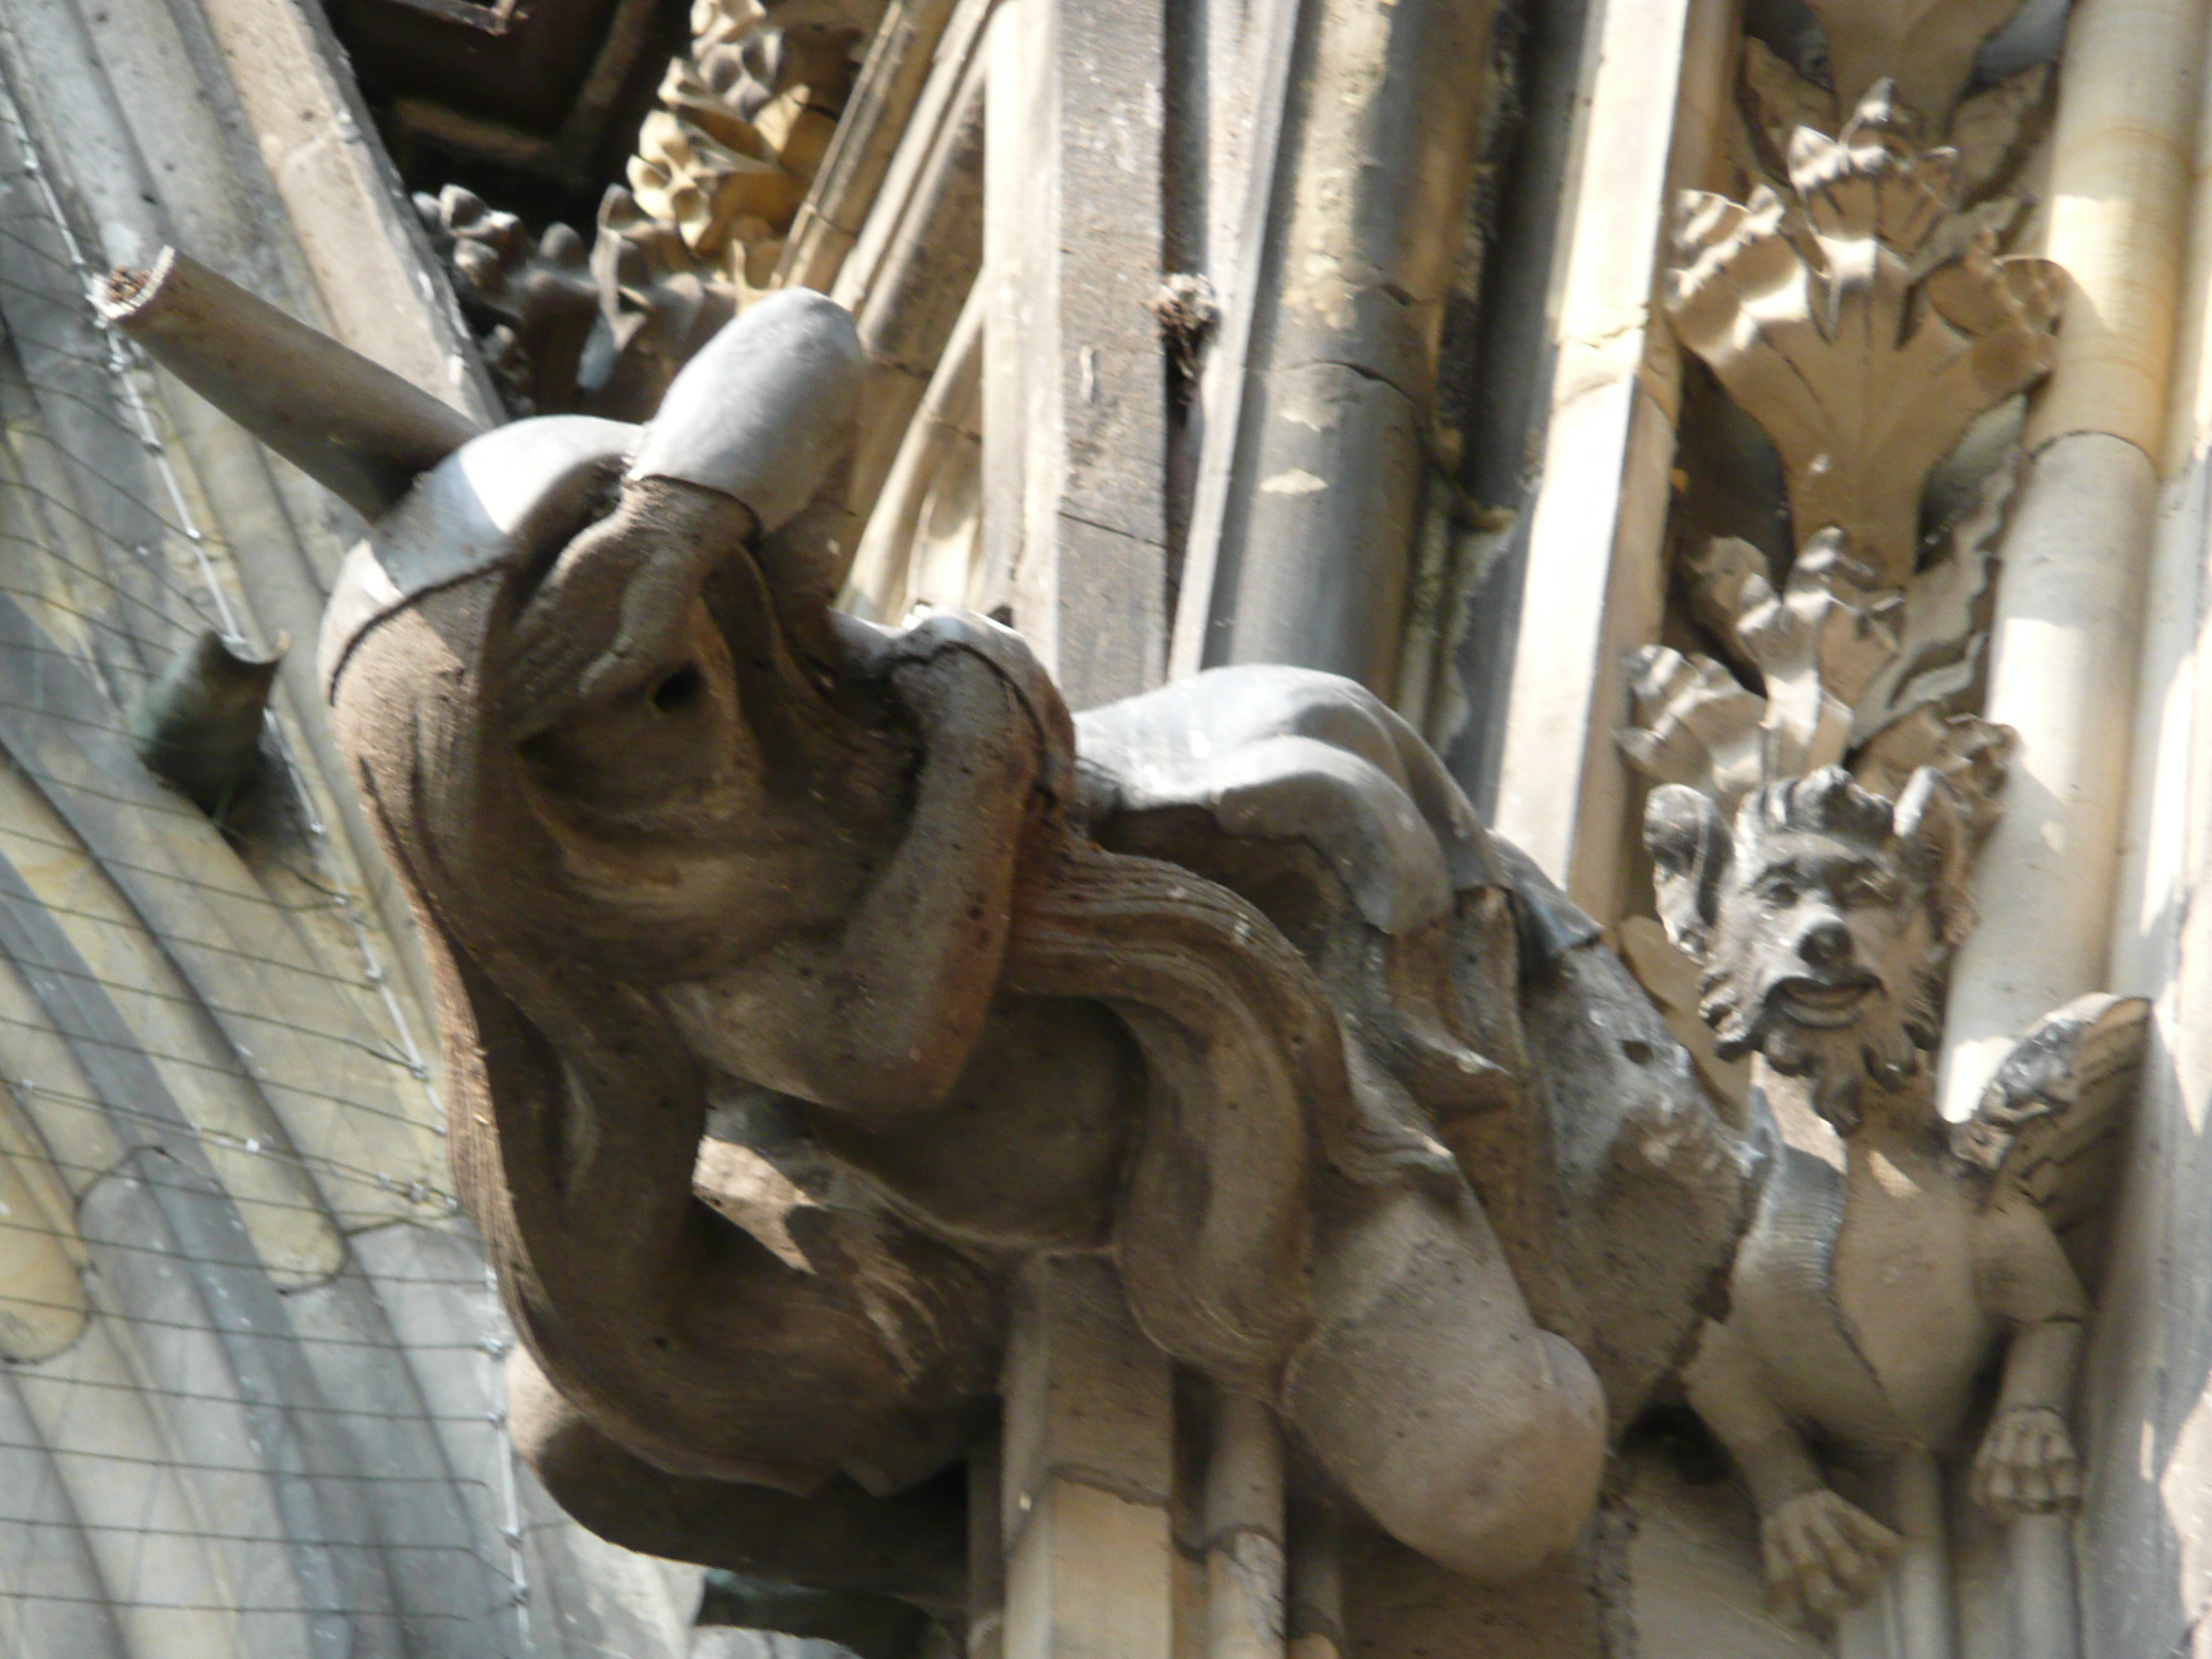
x=801, y=978
x=1868, y=1301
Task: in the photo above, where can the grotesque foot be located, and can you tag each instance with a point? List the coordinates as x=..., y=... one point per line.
x=2027, y=1464
x=1823, y=1555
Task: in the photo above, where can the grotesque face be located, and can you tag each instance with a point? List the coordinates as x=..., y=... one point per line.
x=1824, y=921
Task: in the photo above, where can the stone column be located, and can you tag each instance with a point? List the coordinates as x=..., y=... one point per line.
x=1596, y=577
x=1075, y=408
x=1089, y=1471
x=1075, y=376
x=1311, y=479
x=1314, y=1616
x=986, y=1555
x=1244, y=1516
x=2064, y=646
x=2146, y=1410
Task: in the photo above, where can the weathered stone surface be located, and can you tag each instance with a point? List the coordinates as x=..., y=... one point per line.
x=1207, y=979
x=1824, y=919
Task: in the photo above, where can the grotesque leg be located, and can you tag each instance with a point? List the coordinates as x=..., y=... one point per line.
x=908, y=1547
x=1431, y=1395
x=1822, y=1554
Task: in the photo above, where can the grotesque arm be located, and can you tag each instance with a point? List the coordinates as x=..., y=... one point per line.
x=882, y=1014
x=2075, y=1073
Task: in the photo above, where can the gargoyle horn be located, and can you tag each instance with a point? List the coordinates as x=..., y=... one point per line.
x=350, y=424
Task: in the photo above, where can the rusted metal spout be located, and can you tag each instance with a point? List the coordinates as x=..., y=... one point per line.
x=352, y=425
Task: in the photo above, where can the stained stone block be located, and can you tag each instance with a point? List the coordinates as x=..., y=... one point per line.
x=1088, y=1398
x=1091, y=1578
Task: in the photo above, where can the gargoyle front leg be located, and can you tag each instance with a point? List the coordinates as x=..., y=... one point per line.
x=2027, y=1464
x=1821, y=1553
x=882, y=1015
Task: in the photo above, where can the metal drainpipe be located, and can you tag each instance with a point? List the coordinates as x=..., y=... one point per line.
x=1303, y=533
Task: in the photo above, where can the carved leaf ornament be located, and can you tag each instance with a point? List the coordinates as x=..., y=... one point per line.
x=1864, y=326
x=1854, y=674
x=1865, y=317
x=722, y=165
x=1927, y=46
x=1859, y=307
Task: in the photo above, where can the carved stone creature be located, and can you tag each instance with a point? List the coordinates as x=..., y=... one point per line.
x=1867, y=1300
x=800, y=978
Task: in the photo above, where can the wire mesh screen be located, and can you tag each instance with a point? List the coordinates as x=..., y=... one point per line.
x=252, y=1400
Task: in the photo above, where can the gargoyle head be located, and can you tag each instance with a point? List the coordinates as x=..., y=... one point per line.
x=1824, y=922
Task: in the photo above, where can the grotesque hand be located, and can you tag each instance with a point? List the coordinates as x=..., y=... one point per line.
x=966, y=706
x=615, y=610
x=744, y=439
x=881, y=1012
x=1823, y=1555
x=2027, y=1464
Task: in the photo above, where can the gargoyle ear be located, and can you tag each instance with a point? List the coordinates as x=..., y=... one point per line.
x=1690, y=845
x=1930, y=823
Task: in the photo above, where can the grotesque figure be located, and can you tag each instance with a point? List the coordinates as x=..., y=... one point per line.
x=800, y=979
x=697, y=851
x=1825, y=933
x=1867, y=1299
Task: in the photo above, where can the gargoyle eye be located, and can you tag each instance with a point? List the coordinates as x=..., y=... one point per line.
x=679, y=690
x=1862, y=889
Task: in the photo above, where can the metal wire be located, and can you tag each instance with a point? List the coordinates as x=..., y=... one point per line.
x=149, y=595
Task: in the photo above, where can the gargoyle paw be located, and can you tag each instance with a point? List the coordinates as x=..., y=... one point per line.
x=968, y=710
x=616, y=609
x=1823, y=1555
x=2027, y=1464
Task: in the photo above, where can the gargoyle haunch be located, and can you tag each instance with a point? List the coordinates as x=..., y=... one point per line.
x=801, y=980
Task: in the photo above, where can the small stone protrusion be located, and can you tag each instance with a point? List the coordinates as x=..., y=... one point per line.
x=198, y=725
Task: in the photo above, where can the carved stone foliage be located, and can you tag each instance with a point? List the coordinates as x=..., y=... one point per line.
x=721, y=168
x=1855, y=674
x=531, y=301
x=1927, y=46
x=1865, y=320
x=1860, y=306
x=744, y=123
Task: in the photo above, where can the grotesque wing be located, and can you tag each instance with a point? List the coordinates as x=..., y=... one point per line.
x=2050, y=1124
